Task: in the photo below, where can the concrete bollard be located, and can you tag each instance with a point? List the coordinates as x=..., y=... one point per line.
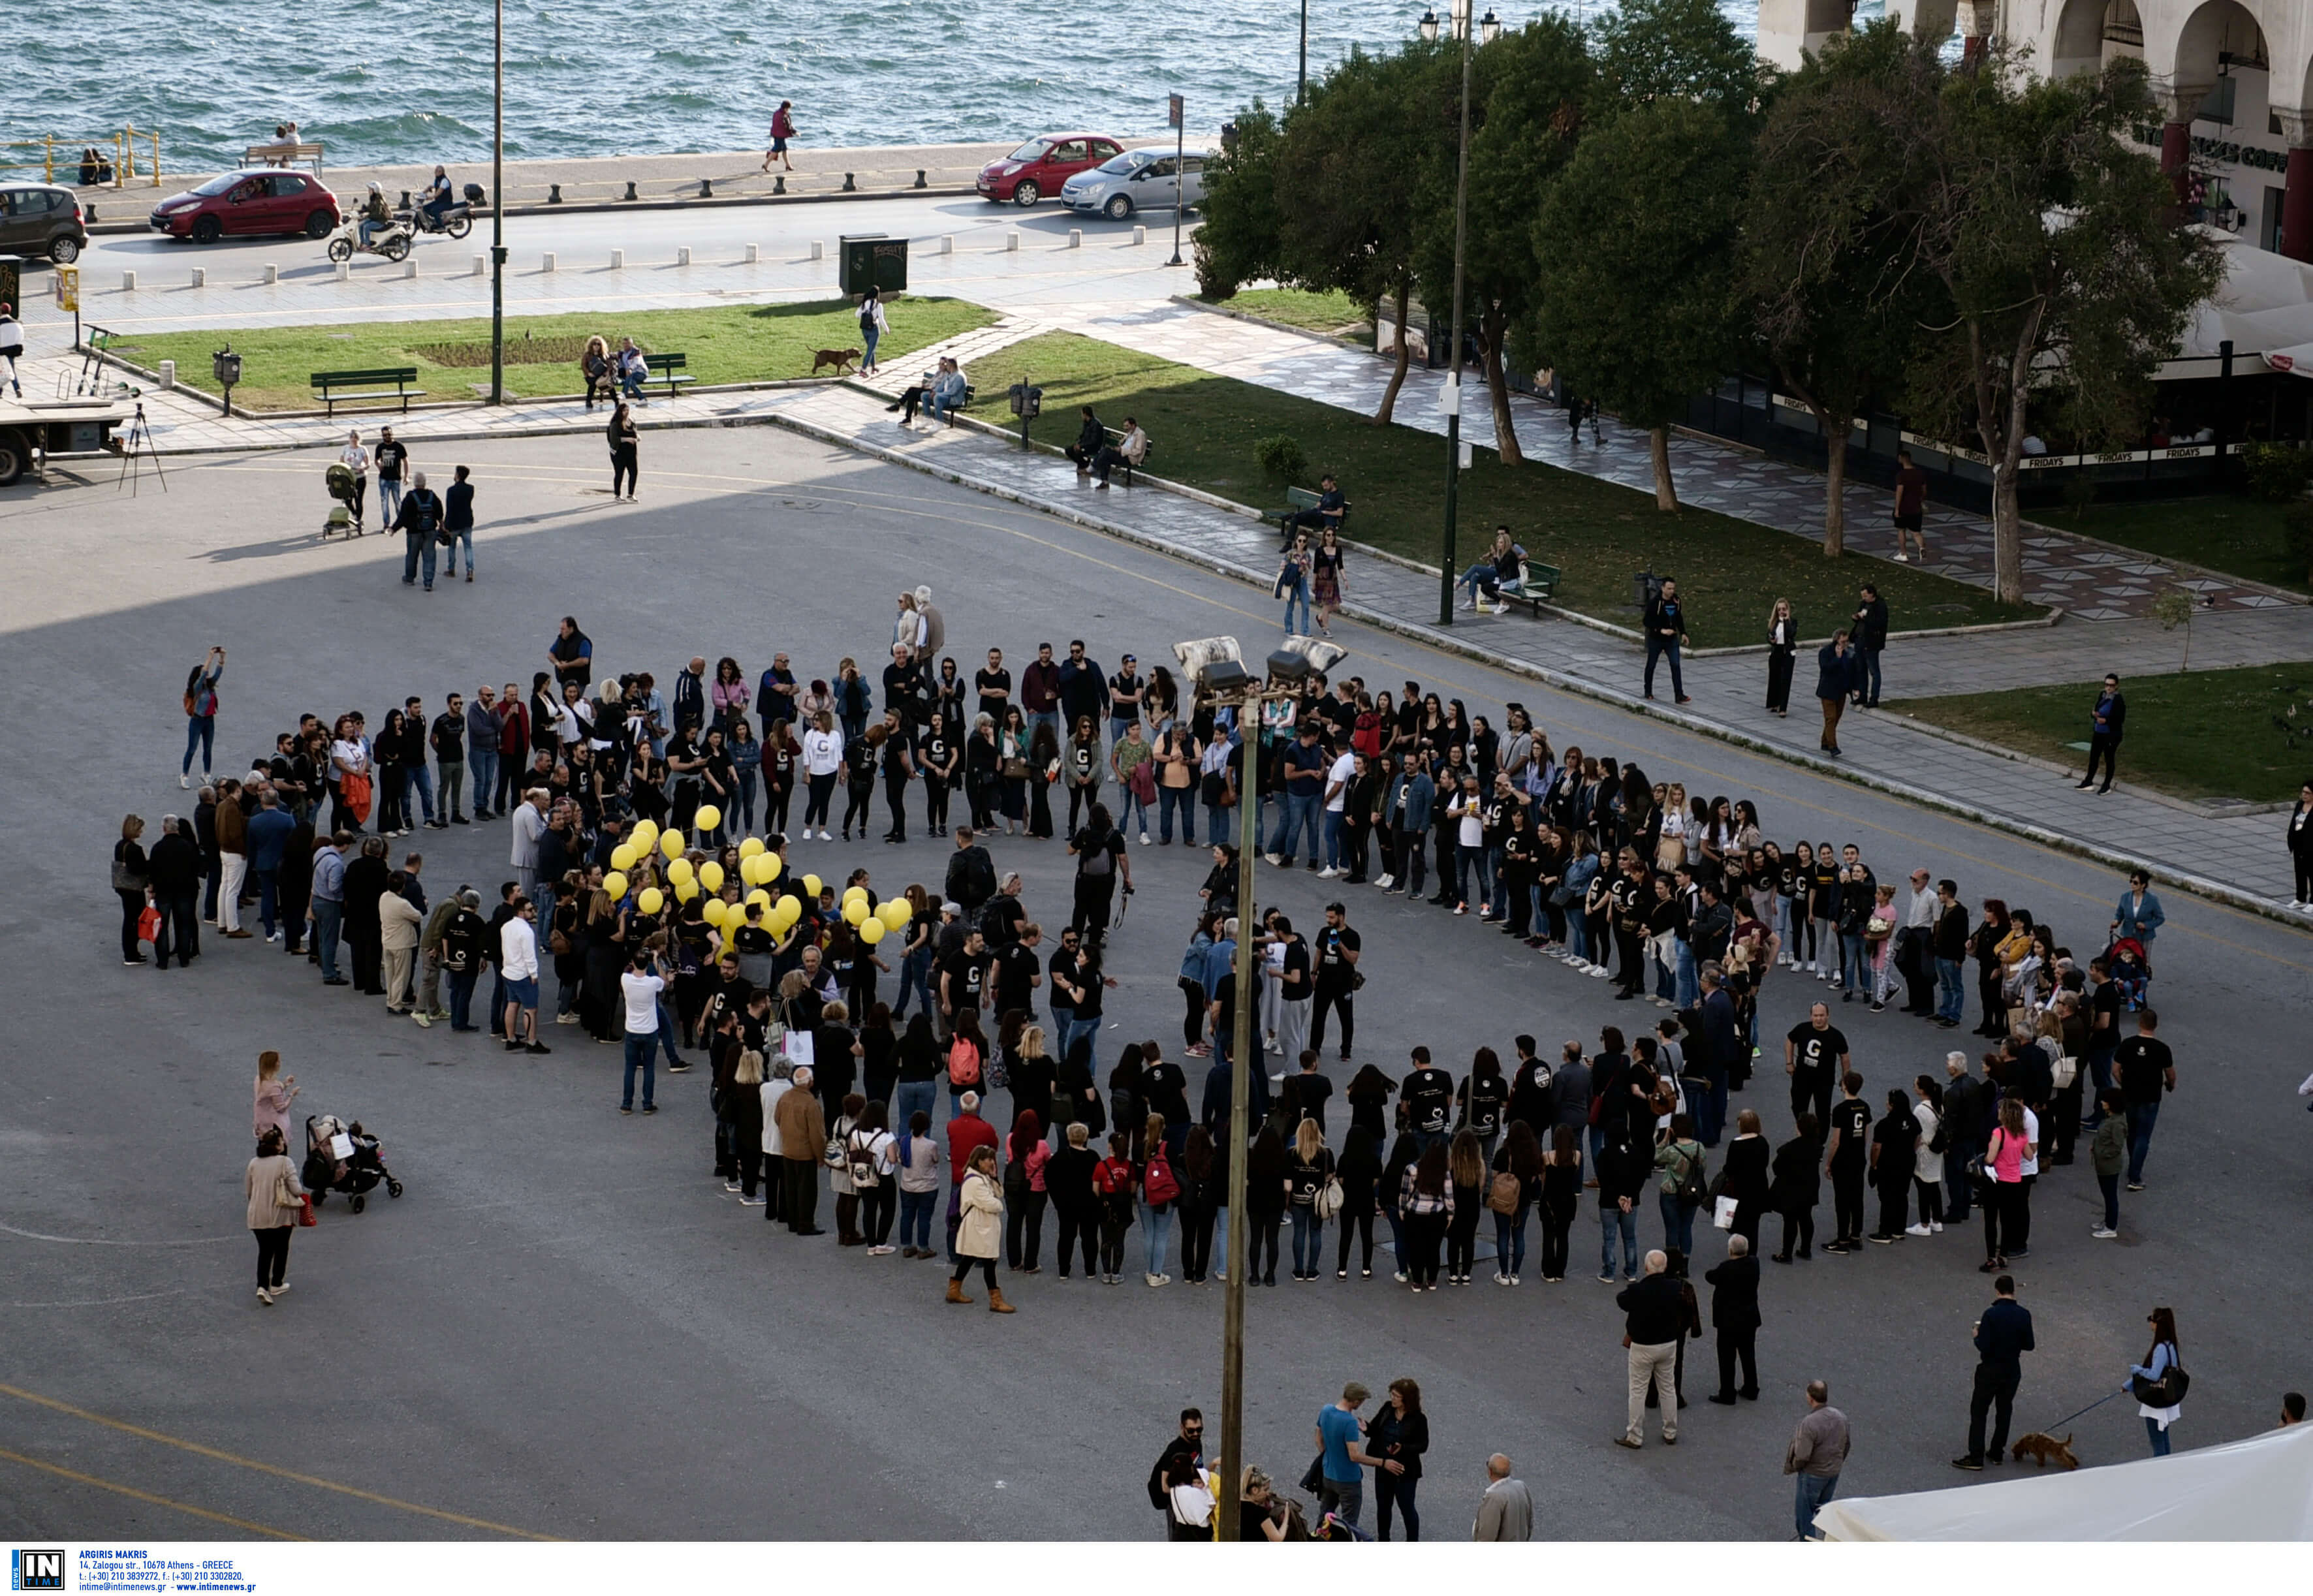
x=168, y=375
x=200, y=277
x=127, y=281
x=618, y=261
x=630, y=190
x=409, y=266
x=779, y=183
x=683, y=255
x=1076, y=237
x=554, y=194
x=706, y=188
x=818, y=249
x=272, y=273
x=481, y=265
x=1140, y=234
x=1011, y=239
x=755, y=254
x=948, y=244
x=546, y=261
x=849, y=187
x=920, y=179
x=345, y=271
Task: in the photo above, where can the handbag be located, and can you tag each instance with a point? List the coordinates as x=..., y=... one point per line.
x=1015, y=769
x=1330, y=1198
x=125, y=879
x=2167, y=1391
x=2066, y=1072
x=305, y=1215
x=148, y=924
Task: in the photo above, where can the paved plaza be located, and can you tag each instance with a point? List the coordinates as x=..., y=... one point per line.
x=566, y=1328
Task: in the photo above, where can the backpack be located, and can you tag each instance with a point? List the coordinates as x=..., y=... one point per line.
x=962, y=1063
x=1694, y=1186
x=1502, y=1192
x=1161, y=1185
x=862, y=1156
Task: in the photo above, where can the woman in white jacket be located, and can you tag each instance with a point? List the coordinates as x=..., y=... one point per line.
x=823, y=758
x=980, y=1237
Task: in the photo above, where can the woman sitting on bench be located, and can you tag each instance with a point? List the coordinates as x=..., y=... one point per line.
x=1503, y=570
x=594, y=367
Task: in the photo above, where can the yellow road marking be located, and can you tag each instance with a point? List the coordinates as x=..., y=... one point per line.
x=107, y=1485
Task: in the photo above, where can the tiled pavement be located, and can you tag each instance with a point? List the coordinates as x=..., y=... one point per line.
x=2089, y=580
x=1880, y=749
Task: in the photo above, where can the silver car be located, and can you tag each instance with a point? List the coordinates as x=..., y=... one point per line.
x=1137, y=181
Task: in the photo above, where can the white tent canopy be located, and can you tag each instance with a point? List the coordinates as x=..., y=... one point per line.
x=2257, y=1489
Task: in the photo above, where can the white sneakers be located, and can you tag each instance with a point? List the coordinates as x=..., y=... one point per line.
x=2100, y=1234
x=1918, y=1230
x=1144, y=839
x=1384, y=883
x=1326, y=874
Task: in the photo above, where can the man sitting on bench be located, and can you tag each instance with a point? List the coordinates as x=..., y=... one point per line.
x=633, y=371
x=1129, y=452
x=1331, y=507
x=1502, y=570
x=1092, y=437
x=941, y=393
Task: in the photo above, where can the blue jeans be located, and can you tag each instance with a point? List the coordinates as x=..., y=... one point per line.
x=1184, y=800
x=642, y=1052
x=915, y=979
x=1220, y=824
x=1126, y=803
x=2141, y=1117
x=2159, y=1438
x=1678, y=1222
x=1510, y=1241
x=461, y=999
x=916, y=1216
x=1296, y=595
x=1689, y=992
x=1334, y=820
x=911, y=1098
x=1301, y=813
x=631, y=384
x=1610, y=1219
x=464, y=539
x=200, y=731
x=1478, y=576
x=482, y=768
x=1308, y=1237
x=269, y=899
x=1710, y=1110
x=389, y=499
x=667, y=1035
x=867, y=336
x=1866, y=675
x=1074, y=1028
x=1855, y=962
x=1656, y=649
x=1814, y=1491
x=329, y=918
x=1157, y=1227
x=420, y=778
x=1949, y=993
x=415, y=545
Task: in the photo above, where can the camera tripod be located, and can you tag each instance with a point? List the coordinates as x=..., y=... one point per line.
x=134, y=448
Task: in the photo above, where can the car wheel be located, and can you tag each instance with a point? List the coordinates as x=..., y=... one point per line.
x=395, y=248
x=1119, y=208
x=207, y=231
x=341, y=250
x=1025, y=193
x=321, y=224
x=65, y=250
x=14, y=458
x=459, y=226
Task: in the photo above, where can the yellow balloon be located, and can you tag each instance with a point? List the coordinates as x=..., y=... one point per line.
x=710, y=876
x=706, y=816
x=678, y=870
x=615, y=884
x=751, y=869
x=856, y=910
x=685, y=892
x=623, y=856
x=644, y=835
x=749, y=849
x=871, y=931
x=773, y=865
x=670, y=844
x=760, y=898
x=713, y=910
x=855, y=891
x=652, y=900
x=790, y=908
x=811, y=885
x=896, y=915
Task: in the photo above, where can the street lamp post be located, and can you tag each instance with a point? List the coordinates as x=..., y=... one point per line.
x=1490, y=29
x=1222, y=680
x=497, y=212
x=1301, y=83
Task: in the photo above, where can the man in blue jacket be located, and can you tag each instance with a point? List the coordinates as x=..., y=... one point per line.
x=1834, y=679
x=2106, y=721
x=269, y=831
x=2002, y=1336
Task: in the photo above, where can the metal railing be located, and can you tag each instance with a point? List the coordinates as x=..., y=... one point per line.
x=122, y=145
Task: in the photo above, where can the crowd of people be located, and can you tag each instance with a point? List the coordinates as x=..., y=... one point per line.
x=658, y=871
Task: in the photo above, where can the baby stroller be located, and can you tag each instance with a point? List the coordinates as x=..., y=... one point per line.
x=341, y=522
x=2132, y=971
x=355, y=1175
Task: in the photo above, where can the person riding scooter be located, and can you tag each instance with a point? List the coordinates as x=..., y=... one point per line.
x=374, y=214
x=438, y=199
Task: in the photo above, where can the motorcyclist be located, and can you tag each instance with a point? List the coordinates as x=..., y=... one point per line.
x=438, y=199
x=374, y=214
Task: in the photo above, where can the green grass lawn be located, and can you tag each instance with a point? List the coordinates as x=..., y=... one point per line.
x=1204, y=427
x=2224, y=531
x=2208, y=735
x=1333, y=313
x=723, y=344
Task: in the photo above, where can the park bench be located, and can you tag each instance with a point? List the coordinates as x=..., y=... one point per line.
x=283, y=155
x=332, y=387
x=1116, y=441
x=1297, y=499
x=1540, y=588
x=667, y=369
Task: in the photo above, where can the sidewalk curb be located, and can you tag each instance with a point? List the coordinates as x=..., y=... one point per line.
x=577, y=208
x=2200, y=886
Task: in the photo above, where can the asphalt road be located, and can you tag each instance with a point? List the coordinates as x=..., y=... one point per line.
x=567, y=1328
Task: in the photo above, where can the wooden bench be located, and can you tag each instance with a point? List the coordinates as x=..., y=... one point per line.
x=667, y=369
x=1116, y=442
x=332, y=385
x=1297, y=499
x=283, y=156
x=1540, y=588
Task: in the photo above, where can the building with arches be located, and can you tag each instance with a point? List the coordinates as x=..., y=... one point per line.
x=2234, y=79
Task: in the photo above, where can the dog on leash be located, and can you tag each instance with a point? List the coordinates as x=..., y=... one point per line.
x=2044, y=1450
x=840, y=359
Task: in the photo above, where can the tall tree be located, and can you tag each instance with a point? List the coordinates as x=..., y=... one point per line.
x=1526, y=95
x=1635, y=250
x=1340, y=228
x=1238, y=241
x=1677, y=49
x=1827, y=262
x=2068, y=283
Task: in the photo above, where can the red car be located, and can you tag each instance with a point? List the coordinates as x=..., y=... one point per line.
x=246, y=203
x=1043, y=164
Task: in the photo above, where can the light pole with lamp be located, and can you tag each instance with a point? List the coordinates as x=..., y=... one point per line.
x=1216, y=667
x=1301, y=83
x=497, y=212
x=1490, y=29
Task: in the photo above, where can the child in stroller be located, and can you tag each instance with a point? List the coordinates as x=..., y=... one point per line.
x=2131, y=969
x=356, y=1174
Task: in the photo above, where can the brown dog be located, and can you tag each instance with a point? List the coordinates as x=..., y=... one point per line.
x=838, y=358
x=2044, y=1450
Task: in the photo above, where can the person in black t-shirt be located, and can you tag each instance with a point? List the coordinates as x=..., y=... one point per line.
x=1101, y=860
x=964, y=978
x=939, y=755
x=1815, y=1055
x=899, y=770
x=1338, y=948
x=1847, y=1163
x=1019, y=971
x=1312, y=1090
x=1482, y=1098
x=1427, y=1093
x=2145, y=1068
